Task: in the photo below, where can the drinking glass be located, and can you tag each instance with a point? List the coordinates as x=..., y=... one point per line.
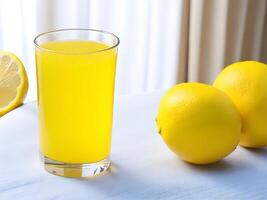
x=75, y=83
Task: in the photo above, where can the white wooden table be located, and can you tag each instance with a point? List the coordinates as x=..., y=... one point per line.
x=143, y=167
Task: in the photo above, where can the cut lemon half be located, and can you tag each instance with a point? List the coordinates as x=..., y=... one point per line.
x=13, y=82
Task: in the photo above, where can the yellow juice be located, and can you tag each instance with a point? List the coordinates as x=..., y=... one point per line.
x=75, y=100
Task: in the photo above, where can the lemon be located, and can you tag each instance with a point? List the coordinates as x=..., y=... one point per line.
x=246, y=84
x=13, y=82
x=198, y=122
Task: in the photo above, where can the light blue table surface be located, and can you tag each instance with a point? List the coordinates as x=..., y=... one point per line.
x=143, y=167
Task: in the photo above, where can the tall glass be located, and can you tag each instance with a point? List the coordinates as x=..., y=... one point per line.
x=75, y=81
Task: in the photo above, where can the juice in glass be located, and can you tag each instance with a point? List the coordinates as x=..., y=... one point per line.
x=75, y=102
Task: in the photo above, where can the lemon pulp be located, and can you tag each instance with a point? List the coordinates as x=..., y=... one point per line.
x=13, y=82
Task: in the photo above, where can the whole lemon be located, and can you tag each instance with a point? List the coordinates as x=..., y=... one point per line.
x=246, y=84
x=198, y=122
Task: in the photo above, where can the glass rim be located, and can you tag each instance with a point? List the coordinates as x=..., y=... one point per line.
x=35, y=40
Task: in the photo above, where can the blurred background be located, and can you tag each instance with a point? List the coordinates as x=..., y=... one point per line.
x=162, y=42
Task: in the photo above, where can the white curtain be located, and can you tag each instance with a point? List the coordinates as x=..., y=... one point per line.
x=222, y=32
x=149, y=31
x=162, y=41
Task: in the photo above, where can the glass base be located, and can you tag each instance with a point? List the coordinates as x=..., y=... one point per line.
x=83, y=170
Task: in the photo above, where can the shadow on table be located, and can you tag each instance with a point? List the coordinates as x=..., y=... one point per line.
x=231, y=173
x=236, y=174
x=258, y=151
x=120, y=182
x=221, y=166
